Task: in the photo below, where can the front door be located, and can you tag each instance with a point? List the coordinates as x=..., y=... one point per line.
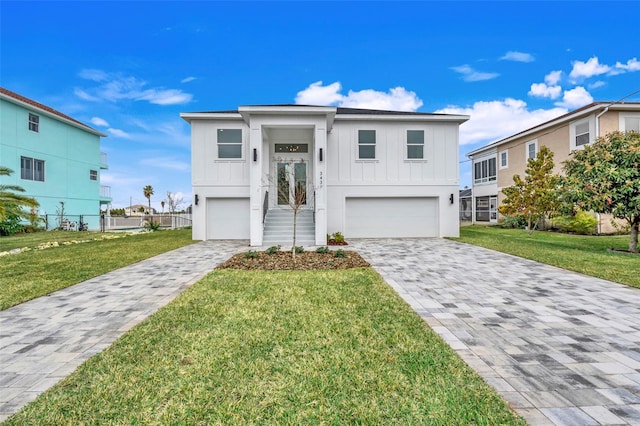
x=291, y=183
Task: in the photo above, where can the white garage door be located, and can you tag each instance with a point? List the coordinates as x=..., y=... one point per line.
x=228, y=219
x=391, y=217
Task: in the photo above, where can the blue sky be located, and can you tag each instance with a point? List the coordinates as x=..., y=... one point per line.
x=129, y=68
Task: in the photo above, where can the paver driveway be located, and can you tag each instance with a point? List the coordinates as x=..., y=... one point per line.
x=44, y=340
x=562, y=348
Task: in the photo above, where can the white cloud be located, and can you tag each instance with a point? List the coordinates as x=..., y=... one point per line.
x=517, y=57
x=582, y=70
x=631, y=65
x=187, y=79
x=541, y=90
x=317, y=94
x=575, y=98
x=99, y=122
x=119, y=133
x=169, y=163
x=596, y=85
x=93, y=74
x=396, y=99
x=553, y=78
x=115, y=86
x=494, y=120
x=470, y=75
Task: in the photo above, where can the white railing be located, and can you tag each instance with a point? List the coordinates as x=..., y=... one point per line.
x=165, y=220
x=105, y=191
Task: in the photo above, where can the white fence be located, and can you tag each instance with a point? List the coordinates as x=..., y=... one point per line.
x=172, y=221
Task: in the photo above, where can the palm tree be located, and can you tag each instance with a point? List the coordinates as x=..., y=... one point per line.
x=148, y=192
x=10, y=202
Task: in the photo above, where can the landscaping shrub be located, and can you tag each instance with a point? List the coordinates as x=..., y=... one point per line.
x=251, y=254
x=581, y=223
x=323, y=250
x=10, y=225
x=340, y=253
x=516, y=222
x=272, y=250
x=299, y=249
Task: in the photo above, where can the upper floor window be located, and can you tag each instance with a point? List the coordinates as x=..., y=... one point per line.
x=93, y=175
x=366, y=144
x=484, y=170
x=229, y=143
x=504, y=159
x=531, y=150
x=582, y=134
x=31, y=169
x=415, y=144
x=34, y=122
x=630, y=122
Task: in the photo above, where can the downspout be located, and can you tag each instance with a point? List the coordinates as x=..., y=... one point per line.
x=604, y=111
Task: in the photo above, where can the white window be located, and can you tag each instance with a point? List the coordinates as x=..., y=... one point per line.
x=229, y=143
x=93, y=175
x=504, y=159
x=532, y=149
x=366, y=144
x=34, y=122
x=629, y=122
x=484, y=170
x=582, y=133
x=415, y=144
x=32, y=169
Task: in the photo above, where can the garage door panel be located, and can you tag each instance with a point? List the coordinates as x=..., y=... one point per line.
x=391, y=217
x=228, y=219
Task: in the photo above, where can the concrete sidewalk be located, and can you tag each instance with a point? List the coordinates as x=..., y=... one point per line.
x=562, y=348
x=44, y=340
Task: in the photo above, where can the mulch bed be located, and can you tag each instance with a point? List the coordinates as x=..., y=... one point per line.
x=305, y=261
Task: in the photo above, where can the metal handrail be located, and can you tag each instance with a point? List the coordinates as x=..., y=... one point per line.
x=265, y=205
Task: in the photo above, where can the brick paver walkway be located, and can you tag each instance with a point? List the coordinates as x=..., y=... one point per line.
x=44, y=340
x=560, y=347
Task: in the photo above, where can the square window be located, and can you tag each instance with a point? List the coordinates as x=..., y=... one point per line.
x=582, y=134
x=31, y=169
x=484, y=171
x=93, y=175
x=229, y=143
x=366, y=144
x=415, y=144
x=34, y=122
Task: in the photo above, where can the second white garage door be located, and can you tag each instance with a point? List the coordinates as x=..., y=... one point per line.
x=391, y=217
x=228, y=219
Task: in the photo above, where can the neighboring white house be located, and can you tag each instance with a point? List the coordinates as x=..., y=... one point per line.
x=364, y=173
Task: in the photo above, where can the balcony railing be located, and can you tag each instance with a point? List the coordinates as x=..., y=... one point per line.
x=104, y=160
x=105, y=191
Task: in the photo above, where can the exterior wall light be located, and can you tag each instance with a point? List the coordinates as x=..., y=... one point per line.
x=255, y=154
x=196, y=199
x=451, y=198
x=320, y=154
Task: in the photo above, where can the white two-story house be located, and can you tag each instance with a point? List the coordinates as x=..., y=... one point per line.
x=363, y=173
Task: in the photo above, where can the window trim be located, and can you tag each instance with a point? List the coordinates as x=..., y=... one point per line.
x=483, y=165
x=36, y=171
x=409, y=144
x=34, y=122
x=526, y=150
x=573, y=130
x=363, y=144
x=622, y=119
x=506, y=157
x=241, y=144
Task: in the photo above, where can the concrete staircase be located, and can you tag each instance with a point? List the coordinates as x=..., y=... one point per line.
x=278, y=228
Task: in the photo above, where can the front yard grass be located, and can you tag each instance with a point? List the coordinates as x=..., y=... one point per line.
x=36, y=273
x=588, y=255
x=276, y=347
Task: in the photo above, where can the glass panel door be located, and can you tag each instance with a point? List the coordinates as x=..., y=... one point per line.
x=300, y=179
x=493, y=209
x=283, y=183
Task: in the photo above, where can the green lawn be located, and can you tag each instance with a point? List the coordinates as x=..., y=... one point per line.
x=585, y=254
x=286, y=348
x=36, y=273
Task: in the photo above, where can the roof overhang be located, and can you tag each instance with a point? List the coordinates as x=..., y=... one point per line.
x=566, y=118
x=57, y=117
x=451, y=118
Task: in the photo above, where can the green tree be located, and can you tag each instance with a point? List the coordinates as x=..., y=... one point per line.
x=605, y=177
x=11, y=203
x=535, y=197
x=148, y=192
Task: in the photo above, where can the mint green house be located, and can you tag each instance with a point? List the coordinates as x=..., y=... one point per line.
x=55, y=158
